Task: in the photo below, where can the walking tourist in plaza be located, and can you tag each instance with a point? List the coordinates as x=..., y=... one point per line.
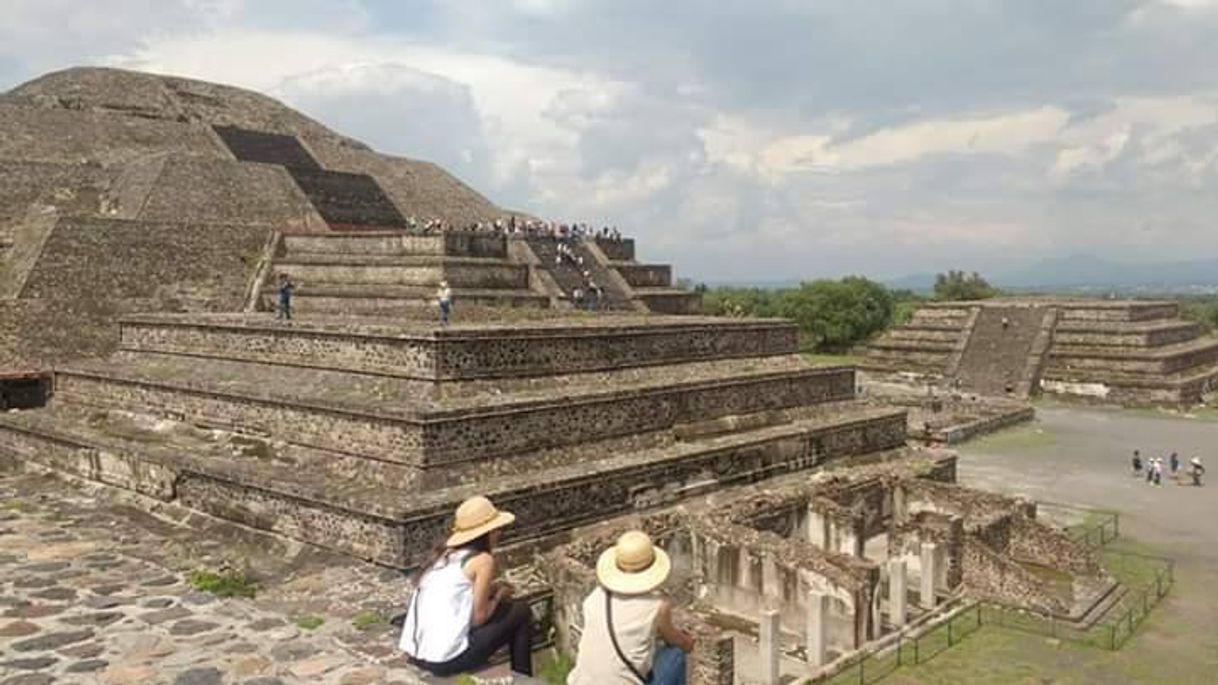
x=459, y=614
x=623, y=617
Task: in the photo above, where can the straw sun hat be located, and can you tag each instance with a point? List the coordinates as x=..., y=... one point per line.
x=633, y=566
x=476, y=517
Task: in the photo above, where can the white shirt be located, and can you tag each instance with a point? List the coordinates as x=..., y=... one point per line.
x=445, y=600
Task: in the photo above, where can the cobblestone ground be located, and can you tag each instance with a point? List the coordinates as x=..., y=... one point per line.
x=94, y=590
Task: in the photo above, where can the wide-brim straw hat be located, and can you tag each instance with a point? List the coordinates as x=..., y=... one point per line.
x=476, y=517
x=633, y=566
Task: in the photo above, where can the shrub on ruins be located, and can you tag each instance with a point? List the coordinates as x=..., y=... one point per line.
x=835, y=315
x=957, y=285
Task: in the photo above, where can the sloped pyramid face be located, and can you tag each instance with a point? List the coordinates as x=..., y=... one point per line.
x=122, y=191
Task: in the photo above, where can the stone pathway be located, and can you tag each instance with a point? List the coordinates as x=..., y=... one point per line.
x=92, y=591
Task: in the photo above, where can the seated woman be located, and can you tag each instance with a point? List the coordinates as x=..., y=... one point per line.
x=459, y=614
x=623, y=616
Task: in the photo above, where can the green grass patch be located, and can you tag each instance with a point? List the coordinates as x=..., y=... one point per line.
x=224, y=583
x=556, y=670
x=369, y=620
x=308, y=621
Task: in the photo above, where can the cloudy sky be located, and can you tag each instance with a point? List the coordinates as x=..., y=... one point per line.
x=760, y=140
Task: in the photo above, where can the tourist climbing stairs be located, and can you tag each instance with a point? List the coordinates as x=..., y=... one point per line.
x=568, y=274
x=1000, y=357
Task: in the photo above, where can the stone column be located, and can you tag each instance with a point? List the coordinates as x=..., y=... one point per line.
x=770, y=646
x=770, y=584
x=930, y=570
x=897, y=595
x=818, y=620
x=817, y=536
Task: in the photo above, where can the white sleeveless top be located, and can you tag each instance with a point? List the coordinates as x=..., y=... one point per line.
x=634, y=624
x=445, y=600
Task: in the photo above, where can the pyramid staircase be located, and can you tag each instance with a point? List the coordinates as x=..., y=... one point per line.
x=361, y=436
x=1128, y=352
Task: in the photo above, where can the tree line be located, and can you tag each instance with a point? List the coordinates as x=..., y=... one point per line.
x=836, y=315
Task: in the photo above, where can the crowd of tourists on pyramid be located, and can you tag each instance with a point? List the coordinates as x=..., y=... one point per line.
x=1152, y=468
x=460, y=613
x=515, y=226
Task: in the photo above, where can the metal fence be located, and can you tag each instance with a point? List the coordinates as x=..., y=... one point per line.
x=910, y=649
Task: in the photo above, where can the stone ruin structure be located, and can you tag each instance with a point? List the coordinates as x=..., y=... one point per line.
x=144, y=219
x=1128, y=352
x=790, y=577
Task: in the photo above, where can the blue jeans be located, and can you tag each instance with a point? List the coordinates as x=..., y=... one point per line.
x=668, y=667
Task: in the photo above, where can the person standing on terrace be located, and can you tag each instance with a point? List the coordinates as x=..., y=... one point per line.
x=623, y=617
x=444, y=297
x=286, y=288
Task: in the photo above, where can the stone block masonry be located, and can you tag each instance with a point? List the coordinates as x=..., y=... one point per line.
x=459, y=354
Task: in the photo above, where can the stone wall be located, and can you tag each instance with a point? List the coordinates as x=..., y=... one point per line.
x=618, y=250
x=1040, y=544
x=988, y=575
x=646, y=275
x=453, y=244
x=453, y=355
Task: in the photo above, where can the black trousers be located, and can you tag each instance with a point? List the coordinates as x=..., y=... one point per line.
x=511, y=625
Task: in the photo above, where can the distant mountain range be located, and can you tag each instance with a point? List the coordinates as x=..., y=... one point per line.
x=1087, y=273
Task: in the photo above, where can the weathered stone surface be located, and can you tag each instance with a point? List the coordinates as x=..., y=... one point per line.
x=87, y=666
x=264, y=624
x=191, y=627
x=200, y=676
x=33, y=664
x=29, y=679
x=104, y=602
x=362, y=676
x=162, y=615
x=45, y=567
x=317, y=666
x=51, y=641
x=101, y=618
x=293, y=651
x=33, y=610
x=85, y=651
x=128, y=674
x=18, y=629
x=58, y=594
x=250, y=666
x=157, y=602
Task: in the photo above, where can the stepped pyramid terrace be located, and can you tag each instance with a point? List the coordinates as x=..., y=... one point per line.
x=1127, y=352
x=140, y=261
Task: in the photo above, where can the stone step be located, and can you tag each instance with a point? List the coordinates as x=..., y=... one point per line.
x=400, y=420
x=669, y=300
x=900, y=344
x=461, y=351
x=362, y=270
x=397, y=526
x=400, y=300
x=645, y=275
x=456, y=244
x=1165, y=359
